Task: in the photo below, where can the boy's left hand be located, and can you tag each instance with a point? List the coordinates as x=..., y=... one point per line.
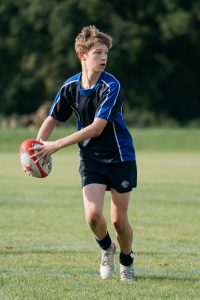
x=45, y=150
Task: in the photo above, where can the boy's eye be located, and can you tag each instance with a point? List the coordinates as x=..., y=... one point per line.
x=100, y=52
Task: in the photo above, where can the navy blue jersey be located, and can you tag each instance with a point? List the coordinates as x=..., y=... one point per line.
x=104, y=101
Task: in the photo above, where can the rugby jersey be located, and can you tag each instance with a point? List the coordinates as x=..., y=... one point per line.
x=104, y=100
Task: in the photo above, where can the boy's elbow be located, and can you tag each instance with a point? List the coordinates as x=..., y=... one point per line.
x=98, y=127
x=97, y=132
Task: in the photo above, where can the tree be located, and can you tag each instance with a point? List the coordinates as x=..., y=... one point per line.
x=155, y=53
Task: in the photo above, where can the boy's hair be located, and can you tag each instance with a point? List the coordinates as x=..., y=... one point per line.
x=88, y=36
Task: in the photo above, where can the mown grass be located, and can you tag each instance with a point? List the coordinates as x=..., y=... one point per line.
x=47, y=251
x=152, y=139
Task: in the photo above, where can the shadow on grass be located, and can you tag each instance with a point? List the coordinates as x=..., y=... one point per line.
x=10, y=250
x=92, y=272
x=166, y=278
x=192, y=275
x=15, y=251
x=166, y=253
x=37, y=272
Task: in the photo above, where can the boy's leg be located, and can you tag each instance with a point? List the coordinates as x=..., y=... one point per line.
x=93, y=196
x=119, y=217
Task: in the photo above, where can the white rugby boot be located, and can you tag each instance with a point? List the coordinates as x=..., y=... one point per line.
x=127, y=272
x=107, y=262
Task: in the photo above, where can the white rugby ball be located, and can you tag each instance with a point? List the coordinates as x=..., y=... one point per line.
x=40, y=169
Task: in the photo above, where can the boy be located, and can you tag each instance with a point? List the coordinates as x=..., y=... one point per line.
x=107, y=155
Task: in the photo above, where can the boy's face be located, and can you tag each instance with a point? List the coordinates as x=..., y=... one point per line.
x=96, y=58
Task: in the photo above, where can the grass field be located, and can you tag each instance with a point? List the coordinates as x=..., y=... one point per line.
x=46, y=250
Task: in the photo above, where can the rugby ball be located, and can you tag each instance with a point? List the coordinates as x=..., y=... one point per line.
x=40, y=169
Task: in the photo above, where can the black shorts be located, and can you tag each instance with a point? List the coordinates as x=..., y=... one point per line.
x=121, y=176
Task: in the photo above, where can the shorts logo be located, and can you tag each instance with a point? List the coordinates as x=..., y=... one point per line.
x=84, y=178
x=124, y=184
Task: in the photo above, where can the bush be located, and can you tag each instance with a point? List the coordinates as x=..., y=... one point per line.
x=147, y=118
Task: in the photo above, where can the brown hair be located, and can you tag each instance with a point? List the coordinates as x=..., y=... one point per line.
x=88, y=36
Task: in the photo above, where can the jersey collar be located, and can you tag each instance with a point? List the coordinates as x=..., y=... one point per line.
x=88, y=92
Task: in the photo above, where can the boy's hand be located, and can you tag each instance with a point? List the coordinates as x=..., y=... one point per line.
x=45, y=150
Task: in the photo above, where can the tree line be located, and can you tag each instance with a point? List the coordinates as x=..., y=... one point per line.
x=155, y=54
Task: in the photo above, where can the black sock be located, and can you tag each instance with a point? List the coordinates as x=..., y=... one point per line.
x=126, y=259
x=105, y=242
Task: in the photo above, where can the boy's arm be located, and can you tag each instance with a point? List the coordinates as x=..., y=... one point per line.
x=46, y=128
x=90, y=131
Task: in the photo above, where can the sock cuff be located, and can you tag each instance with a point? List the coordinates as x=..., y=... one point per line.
x=126, y=259
x=105, y=243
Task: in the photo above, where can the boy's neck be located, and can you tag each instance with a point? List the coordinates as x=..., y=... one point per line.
x=88, y=80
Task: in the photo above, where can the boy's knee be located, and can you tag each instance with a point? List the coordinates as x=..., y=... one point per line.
x=119, y=225
x=93, y=220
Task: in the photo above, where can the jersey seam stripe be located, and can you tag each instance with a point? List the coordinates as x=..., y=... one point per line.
x=120, y=153
x=115, y=98
x=114, y=101
x=105, y=99
x=76, y=112
x=52, y=109
x=67, y=83
x=112, y=77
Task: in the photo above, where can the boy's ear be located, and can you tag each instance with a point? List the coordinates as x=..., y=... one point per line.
x=81, y=55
